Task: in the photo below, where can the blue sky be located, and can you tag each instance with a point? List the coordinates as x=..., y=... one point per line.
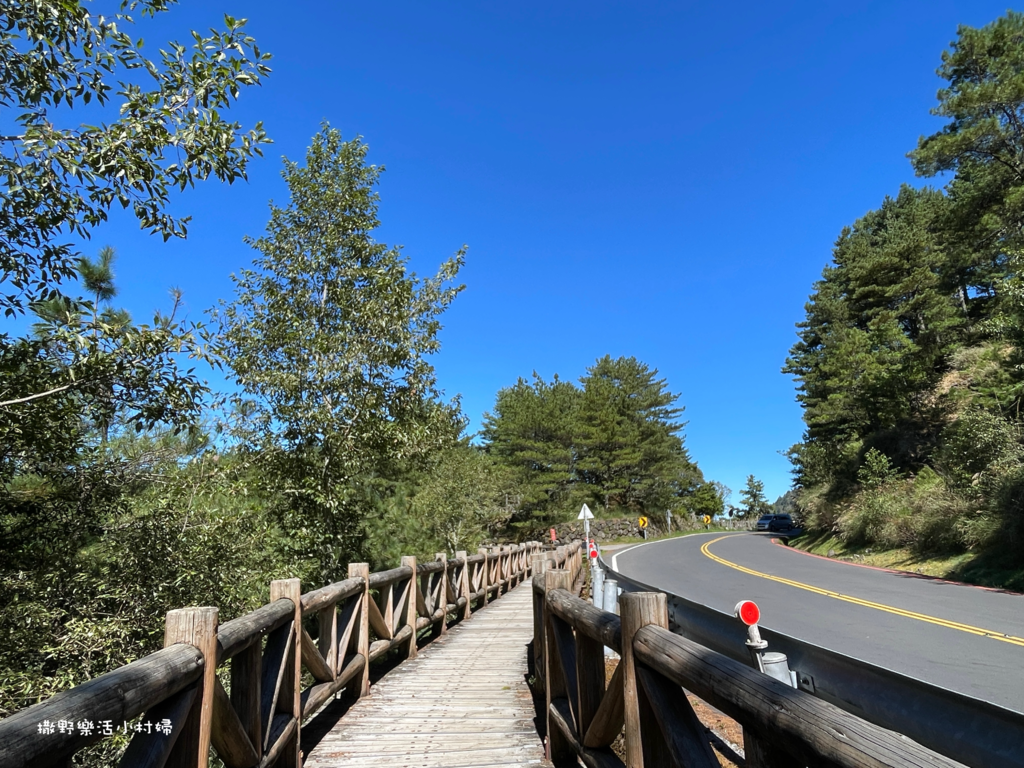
x=663, y=180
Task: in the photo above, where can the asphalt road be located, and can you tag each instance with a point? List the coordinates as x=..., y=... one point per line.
x=962, y=638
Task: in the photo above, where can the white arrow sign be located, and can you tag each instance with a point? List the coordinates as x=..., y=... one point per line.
x=585, y=514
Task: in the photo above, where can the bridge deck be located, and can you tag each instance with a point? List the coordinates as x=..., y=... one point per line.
x=463, y=702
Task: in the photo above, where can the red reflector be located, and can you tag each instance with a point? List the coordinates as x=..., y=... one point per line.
x=593, y=553
x=748, y=612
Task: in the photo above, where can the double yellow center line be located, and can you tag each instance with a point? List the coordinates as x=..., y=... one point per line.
x=866, y=603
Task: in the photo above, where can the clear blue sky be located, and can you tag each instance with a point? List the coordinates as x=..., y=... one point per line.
x=662, y=180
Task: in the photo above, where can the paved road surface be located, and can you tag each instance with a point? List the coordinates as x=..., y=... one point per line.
x=962, y=638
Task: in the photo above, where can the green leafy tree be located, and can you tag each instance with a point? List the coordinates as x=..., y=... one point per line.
x=630, y=446
x=533, y=430
x=880, y=326
x=754, y=503
x=466, y=497
x=982, y=145
x=160, y=127
x=328, y=338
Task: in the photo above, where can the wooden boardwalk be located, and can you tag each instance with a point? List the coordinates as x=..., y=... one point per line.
x=462, y=703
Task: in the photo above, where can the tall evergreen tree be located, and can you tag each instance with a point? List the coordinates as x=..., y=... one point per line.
x=630, y=445
x=532, y=429
x=329, y=338
x=754, y=503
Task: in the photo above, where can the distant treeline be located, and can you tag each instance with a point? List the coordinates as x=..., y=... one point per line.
x=910, y=361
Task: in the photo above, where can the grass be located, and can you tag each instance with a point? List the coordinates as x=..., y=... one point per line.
x=968, y=567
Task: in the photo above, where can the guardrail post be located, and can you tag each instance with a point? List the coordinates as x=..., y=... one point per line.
x=361, y=687
x=638, y=609
x=289, y=699
x=197, y=626
x=559, y=749
x=410, y=606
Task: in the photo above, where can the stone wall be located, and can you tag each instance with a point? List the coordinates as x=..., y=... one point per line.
x=602, y=530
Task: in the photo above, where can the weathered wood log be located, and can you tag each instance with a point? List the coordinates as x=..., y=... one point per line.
x=442, y=594
x=565, y=646
x=813, y=730
x=384, y=578
x=474, y=559
x=348, y=626
x=434, y=566
x=245, y=692
x=589, y=679
x=638, y=609
x=759, y=753
x=313, y=661
x=228, y=735
x=282, y=731
x=605, y=628
x=361, y=631
x=670, y=722
x=379, y=647
x=117, y=696
x=315, y=696
x=559, y=715
x=464, y=586
x=409, y=603
x=289, y=700
x=559, y=746
x=608, y=720
x=272, y=672
x=197, y=627
x=149, y=749
x=332, y=593
x=378, y=622
x=235, y=635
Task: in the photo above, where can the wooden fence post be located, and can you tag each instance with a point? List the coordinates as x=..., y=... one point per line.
x=484, y=581
x=410, y=606
x=539, y=565
x=290, y=698
x=443, y=557
x=197, y=626
x=465, y=588
x=559, y=749
x=636, y=610
x=357, y=689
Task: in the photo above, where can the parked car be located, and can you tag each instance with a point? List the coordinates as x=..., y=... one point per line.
x=774, y=522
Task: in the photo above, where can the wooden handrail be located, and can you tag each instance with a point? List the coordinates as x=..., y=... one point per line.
x=260, y=719
x=783, y=726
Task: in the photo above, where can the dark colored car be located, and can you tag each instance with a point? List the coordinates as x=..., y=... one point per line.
x=774, y=522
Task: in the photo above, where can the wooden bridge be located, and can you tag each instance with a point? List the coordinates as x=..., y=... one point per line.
x=290, y=683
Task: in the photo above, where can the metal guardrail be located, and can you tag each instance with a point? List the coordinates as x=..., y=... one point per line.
x=969, y=730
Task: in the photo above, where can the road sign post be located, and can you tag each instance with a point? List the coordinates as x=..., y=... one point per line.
x=643, y=527
x=586, y=516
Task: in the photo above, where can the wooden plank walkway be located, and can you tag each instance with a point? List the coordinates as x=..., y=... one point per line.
x=462, y=703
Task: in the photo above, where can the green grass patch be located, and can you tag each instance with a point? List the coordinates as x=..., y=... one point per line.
x=968, y=567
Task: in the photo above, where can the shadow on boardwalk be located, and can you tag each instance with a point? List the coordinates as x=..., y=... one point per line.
x=464, y=702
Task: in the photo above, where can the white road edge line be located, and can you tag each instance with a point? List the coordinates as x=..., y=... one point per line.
x=615, y=557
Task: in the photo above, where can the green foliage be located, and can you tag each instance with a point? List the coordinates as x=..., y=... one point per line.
x=167, y=130
x=328, y=339
x=876, y=469
x=754, y=503
x=532, y=430
x=615, y=443
x=465, y=498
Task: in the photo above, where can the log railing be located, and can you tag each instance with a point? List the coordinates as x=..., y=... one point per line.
x=646, y=695
x=175, y=703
